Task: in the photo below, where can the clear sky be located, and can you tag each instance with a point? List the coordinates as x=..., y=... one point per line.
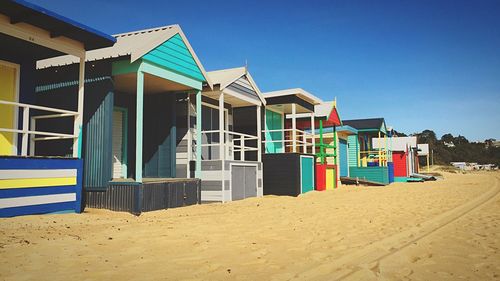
x=420, y=64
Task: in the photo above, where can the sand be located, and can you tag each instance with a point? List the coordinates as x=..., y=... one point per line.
x=443, y=230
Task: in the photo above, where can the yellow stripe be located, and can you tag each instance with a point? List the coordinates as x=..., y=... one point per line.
x=39, y=182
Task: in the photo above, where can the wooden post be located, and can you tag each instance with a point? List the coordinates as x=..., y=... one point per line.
x=321, y=146
x=24, y=141
x=335, y=145
x=428, y=168
x=32, y=137
x=242, y=149
x=198, y=135
x=259, y=134
x=294, y=128
x=222, y=126
x=313, y=132
x=189, y=135
x=379, y=150
x=139, y=125
x=78, y=122
x=304, y=146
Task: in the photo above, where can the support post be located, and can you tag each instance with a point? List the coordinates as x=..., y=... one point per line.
x=222, y=146
x=379, y=150
x=32, y=137
x=77, y=126
x=139, y=124
x=190, y=136
x=313, y=132
x=335, y=145
x=242, y=149
x=321, y=146
x=24, y=139
x=294, y=128
x=259, y=134
x=198, y=135
x=428, y=168
x=222, y=126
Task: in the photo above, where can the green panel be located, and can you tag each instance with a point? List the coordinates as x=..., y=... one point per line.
x=352, y=141
x=159, y=71
x=307, y=174
x=376, y=174
x=124, y=67
x=274, y=122
x=174, y=55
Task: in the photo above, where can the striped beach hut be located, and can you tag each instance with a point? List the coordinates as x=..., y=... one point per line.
x=34, y=181
x=231, y=165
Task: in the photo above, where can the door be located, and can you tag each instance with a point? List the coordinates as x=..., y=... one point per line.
x=343, y=158
x=274, y=121
x=9, y=82
x=243, y=182
x=119, y=167
x=306, y=173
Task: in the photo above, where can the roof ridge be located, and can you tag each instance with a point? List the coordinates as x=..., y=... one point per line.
x=149, y=30
x=226, y=69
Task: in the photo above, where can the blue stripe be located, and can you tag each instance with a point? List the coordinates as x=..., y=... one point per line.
x=37, y=209
x=21, y=192
x=14, y=163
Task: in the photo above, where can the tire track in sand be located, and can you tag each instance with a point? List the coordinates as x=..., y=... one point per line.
x=348, y=266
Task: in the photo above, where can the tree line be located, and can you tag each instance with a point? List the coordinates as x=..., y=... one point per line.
x=458, y=149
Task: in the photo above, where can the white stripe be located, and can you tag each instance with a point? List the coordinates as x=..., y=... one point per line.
x=36, y=200
x=31, y=174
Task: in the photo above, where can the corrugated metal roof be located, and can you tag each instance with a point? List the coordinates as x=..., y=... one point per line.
x=134, y=44
x=23, y=11
x=225, y=77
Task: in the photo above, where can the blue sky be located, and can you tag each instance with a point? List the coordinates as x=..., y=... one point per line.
x=420, y=64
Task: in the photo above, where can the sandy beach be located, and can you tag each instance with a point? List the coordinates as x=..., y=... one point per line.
x=443, y=230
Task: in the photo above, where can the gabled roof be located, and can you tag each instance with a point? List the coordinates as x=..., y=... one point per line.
x=134, y=44
x=226, y=77
x=295, y=91
x=366, y=124
x=22, y=11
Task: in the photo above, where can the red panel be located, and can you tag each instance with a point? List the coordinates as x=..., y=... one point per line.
x=399, y=159
x=320, y=176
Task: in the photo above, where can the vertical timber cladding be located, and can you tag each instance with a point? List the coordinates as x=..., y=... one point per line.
x=282, y=173
x=159, y=136
x=243, y=180
x=306, y=173
x=343, y=151
x=136, y=198
x=353, y=149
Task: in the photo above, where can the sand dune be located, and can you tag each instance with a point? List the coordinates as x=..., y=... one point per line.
x=352, y=233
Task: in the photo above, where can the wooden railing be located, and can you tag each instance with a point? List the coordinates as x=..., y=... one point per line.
x=28, y=125
x=302, y=141
x=233, y=142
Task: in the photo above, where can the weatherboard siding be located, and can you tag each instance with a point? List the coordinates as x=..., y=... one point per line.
x=175, y=55
x=243, y=86
x=36, y=186
x=376, y=174
x=353, y=148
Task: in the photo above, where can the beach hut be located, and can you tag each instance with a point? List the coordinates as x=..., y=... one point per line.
x=343, y=133
x=404, y=156
x=327, y=120
x=231, y=165
x=142, y=119
x=32, y=181
x=365, y=162
x=289, y=152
